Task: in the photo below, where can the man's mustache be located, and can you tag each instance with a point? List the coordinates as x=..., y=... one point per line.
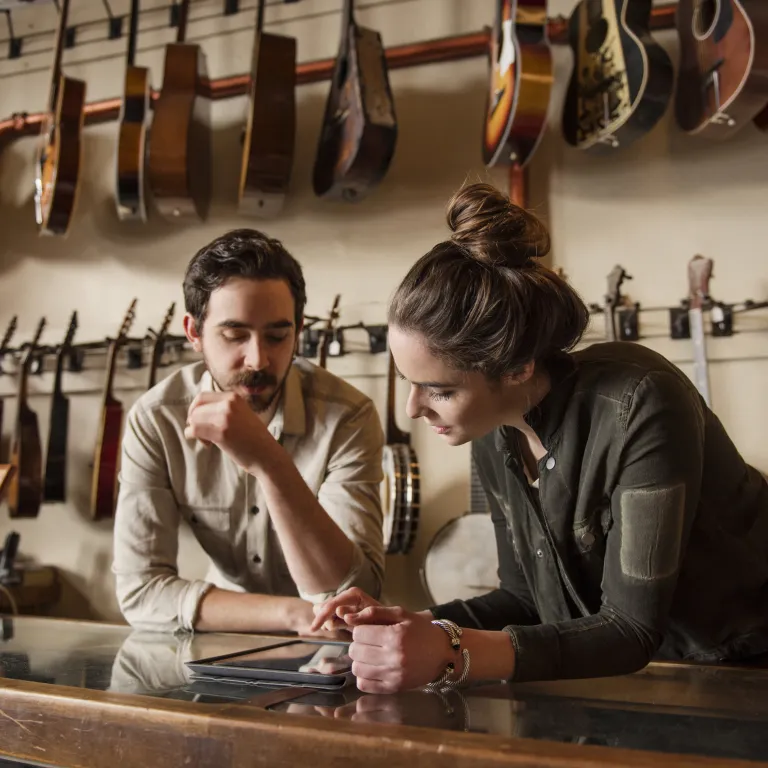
x=254, y=379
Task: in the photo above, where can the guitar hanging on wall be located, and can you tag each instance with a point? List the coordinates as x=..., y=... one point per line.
x=57, y=167
x=132, y=134
x=158, y=346
x=107, y=454
x=359, y=131
x=622, y=79
x=179, y=164
x=613, y=299
x=520, y=83
x=722, y=83
x=699, y=275
x=270, y=133
x=25, y=492
x=7, y=336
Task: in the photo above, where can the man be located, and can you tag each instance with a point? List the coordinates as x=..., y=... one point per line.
x=274, y=463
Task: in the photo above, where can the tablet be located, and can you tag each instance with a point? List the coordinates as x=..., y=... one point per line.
x=307, y=663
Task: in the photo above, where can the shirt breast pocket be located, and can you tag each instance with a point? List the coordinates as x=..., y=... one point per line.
x=212, y=527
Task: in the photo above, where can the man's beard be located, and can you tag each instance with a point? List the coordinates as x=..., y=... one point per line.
x=253, y=379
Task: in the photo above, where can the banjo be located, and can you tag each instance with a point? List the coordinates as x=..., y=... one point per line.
x=461, y=560
x=400, y=491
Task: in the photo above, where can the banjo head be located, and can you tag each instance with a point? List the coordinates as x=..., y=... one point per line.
x=400, y=498
x=462, y=561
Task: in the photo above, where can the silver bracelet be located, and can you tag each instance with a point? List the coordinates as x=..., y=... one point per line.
x=444, y=682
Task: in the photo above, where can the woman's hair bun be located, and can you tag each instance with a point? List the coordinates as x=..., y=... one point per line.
x=490, y=228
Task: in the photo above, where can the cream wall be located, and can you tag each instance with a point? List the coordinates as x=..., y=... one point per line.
x=649, y=207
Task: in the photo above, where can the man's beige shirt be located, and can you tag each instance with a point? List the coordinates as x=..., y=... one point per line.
x=333, y=433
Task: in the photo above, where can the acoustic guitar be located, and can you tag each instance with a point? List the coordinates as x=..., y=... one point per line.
x=7, y=336
x=461, y=560
x=107, y=455
x=179, y=164
x=25, y=492
x=158, y=346
x=54, y=488
x=401, y=487
x=359, y=130
x=270, y=132
x=722, y=83
x=132, y=133
x=521, y=83
x=57, y=166
x=622, y=80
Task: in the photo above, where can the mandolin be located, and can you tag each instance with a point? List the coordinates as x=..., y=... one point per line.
x=54, y=488
x=179, y=164
x=158, y=345
x=622, y=80
x=107, y=455
x=270, y=131
x=722, y=83
x=57, y=167
x=132, y=133
x=25, y=492
x=9, y=331
x=359, y=131
x=400, y=490
x=521, y=83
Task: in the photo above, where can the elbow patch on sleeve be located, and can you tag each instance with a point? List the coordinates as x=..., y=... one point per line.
x=651, y=531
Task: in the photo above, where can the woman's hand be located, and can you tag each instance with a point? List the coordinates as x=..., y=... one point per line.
x=331, y=614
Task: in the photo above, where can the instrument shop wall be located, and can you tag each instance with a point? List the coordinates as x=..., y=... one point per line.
x=649, y=207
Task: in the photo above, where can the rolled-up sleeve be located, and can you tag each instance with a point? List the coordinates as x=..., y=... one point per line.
x=351, y=495
x=653, y=507
x=149, y=591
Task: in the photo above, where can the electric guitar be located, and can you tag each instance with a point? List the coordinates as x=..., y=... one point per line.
x=270, y=132
x=723, y=79
x=57, y=174
x=25, y=492
x=9, y=331
x=54, y=488
x=107, y=455
x=179, y=164
x=132, y=135
x=521, y=83
x=622, y=80
x=359, y=131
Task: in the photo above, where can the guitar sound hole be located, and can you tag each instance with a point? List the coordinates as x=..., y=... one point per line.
x=704, y=17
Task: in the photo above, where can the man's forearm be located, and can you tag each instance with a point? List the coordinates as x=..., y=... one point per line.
x=221, y=610
x=318, y=553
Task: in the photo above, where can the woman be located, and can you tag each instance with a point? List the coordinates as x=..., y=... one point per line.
x=627, y=524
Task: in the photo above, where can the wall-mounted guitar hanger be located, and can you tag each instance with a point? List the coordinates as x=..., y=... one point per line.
x=398, y=57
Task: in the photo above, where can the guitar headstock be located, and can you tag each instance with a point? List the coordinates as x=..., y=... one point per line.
x=699, y=275
x=615, y=278
x=70, y=335
x=127, y=321
x=9, y=331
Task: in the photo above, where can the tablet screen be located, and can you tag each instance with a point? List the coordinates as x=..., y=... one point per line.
x=295, y=657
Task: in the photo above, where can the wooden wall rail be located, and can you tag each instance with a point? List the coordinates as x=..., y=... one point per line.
x=398, y=57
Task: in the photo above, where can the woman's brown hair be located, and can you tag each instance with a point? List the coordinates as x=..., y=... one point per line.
x=482, y=300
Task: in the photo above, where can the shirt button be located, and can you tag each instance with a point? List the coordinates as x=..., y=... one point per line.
x=539, y=553
x=587, y=539
x=256, y=559
x=254, y=510
x=550, y=463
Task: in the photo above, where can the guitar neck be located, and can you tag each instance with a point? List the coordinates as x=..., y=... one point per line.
x=260, y=17
x=133, y=33
x=58, y=51
x=347, y=15
x=181, y=34
x=154, y=364
x=111, y=362
x=57, y=381
x=22, y=391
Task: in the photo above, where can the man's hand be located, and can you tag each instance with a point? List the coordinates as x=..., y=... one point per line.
x=333, y=613
x=300, y=618
x=227, y=421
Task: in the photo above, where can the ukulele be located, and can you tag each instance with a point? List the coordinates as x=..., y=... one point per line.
x=132, y=135
x=158, y=346
x=270, y=132
x=400, y=488
x=54, y=488
x=179, y=166
x=57, y=166
x=723, y=79
x=9, y=331
x=25, y=492
x=359, y=131
x=107, y=455
x=520, y=83
x=622, y=80
x=699, y=275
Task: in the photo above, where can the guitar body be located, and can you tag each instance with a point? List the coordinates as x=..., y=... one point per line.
x=359, y=130
x=58, y=161
x=723, y=78
x=106, y=461
x=761, y=121
x=521, y=84
x=271, y=129
x=55, y=485
x=179, y=146
x=622, y=80
x=132, y=144
x=401, y=498
x=25, y=491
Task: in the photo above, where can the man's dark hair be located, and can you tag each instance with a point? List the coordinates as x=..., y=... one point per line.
x=244, y=253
